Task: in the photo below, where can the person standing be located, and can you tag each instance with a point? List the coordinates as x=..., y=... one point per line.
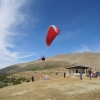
x=89, y=72
x=56, y=74
x=40, y=76
x=80, y=71
x=32, y=78
x=64, y=74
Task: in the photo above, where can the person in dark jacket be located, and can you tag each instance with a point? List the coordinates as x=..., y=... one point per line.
x=42, y=58
x=90, y=72
x=64, y=74
x=32, y=78
x=80, y=71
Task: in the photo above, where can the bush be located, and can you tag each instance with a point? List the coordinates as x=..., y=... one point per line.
x=18, y=81
x=5, y=81
x=28, y=80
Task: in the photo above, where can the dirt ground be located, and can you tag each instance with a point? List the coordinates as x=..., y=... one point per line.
x=54, y=89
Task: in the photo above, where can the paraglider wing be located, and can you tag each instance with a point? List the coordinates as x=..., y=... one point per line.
x=53, y=31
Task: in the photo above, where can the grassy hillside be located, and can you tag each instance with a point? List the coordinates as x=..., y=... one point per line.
x=58, y=61
x=54, y=89
x=18, y=84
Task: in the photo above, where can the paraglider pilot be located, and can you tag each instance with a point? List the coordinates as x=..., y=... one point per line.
x=42, y=58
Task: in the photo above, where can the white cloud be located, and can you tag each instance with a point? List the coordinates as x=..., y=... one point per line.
x=10, y=17
x=68, y=35
x=76, y=20
x=88, y=48
x=83, y=48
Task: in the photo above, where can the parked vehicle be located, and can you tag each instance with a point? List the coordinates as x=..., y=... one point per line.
x=98, y=73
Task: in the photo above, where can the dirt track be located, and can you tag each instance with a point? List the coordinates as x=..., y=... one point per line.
x=54, y=89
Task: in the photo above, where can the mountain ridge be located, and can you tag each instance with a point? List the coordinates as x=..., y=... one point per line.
x=89, y=59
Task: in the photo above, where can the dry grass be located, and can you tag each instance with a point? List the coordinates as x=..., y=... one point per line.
x=54, y=89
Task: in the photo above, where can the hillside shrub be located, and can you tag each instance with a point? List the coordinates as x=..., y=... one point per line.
x=6, y=81
x=17, y=81
x=28, y=80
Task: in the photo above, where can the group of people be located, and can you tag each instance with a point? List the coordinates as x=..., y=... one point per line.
x=57, y=74
x=91, y=73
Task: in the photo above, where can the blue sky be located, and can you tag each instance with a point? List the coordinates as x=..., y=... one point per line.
x=24, y=25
